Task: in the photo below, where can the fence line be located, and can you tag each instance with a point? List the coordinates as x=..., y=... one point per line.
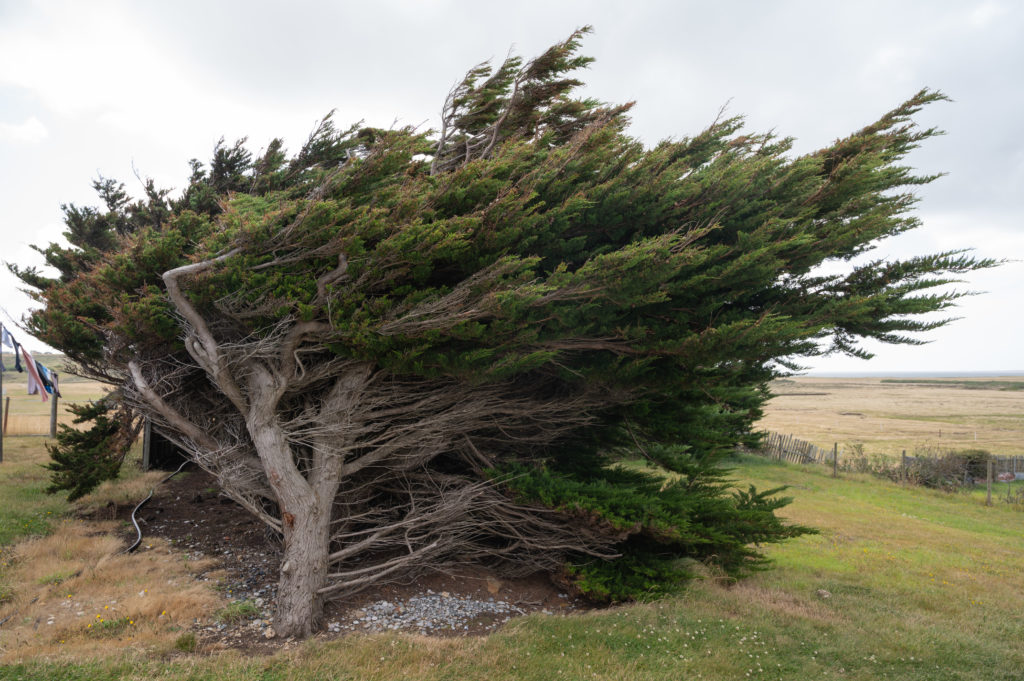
x=787, y=447
x=782, y=447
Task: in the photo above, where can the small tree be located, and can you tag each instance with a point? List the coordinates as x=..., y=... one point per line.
x=405, y=351
x=83, y=458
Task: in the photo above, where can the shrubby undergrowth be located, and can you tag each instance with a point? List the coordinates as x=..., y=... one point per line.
x=944, y=469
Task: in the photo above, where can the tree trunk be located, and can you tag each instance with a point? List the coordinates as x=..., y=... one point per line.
x=305, y=511
x=306, y=527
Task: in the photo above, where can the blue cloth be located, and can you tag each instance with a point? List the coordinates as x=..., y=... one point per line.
x=49, y=382
x=44, y=374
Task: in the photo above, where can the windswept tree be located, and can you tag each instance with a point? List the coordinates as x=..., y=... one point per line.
x=406, y=351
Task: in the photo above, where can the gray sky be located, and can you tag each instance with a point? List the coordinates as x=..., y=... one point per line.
x=115, y=88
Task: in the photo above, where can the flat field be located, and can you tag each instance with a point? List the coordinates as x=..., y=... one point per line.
x=891, y=415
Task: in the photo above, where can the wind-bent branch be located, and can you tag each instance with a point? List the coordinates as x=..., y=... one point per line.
x=205, y=351
x=171, y=415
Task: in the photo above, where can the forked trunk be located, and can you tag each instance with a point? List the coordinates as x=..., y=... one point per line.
x=305, y=508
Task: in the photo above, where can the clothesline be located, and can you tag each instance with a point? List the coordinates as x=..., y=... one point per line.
x=41, y=379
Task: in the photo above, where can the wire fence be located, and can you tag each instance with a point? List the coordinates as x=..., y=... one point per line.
x=788, y=447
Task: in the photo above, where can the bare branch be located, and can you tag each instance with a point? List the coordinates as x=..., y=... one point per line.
x=203, y=347
x=166, y=411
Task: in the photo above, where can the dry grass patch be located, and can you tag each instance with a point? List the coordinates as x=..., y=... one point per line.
x=132, y=487
x=781, y=604
x=74, y=587
x=890, y=417
x=34, y=424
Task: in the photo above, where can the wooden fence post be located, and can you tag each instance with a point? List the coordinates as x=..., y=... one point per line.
x=835, y=459
x=903, y=466
x=53, y=406
x=988, y=495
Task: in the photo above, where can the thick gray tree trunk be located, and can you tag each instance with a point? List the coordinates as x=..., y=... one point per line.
x=304, y=503
x=304, y=568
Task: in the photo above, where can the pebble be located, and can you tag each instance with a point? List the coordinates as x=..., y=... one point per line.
x=428, y=613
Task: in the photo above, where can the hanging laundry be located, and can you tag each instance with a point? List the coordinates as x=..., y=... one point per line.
x=7, y=339
x=35, y=381
x=44, y=374
x=48, y=378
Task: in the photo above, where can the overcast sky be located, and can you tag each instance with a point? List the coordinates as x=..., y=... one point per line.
x=119, y=88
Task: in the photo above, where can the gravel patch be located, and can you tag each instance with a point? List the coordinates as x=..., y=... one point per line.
x=429, y=613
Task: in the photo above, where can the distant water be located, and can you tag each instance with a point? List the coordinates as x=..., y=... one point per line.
x=912, y=374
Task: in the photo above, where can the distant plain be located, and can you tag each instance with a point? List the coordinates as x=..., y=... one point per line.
x=889, y=415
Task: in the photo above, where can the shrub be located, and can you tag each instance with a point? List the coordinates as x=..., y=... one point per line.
x=82, y=459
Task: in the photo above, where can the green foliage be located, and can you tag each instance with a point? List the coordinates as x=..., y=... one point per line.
x=659, y=518
x=186, y=643
x=82, y=459
x=639, y=575
x=948, y=470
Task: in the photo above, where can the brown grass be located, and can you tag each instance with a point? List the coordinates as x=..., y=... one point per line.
x=128, y=490
x=890, y=417
x=75, y=586
x=781, y=604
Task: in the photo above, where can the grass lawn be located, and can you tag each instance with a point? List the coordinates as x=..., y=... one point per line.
x=24, y=509
x=901, y=583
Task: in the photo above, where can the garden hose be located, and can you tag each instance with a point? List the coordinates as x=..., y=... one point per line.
x=135, y=522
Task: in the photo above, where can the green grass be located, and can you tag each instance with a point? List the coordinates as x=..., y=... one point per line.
x=110, y=628
x=25, y=509
x=921, y=586
x=56, y=578
x=236, y=612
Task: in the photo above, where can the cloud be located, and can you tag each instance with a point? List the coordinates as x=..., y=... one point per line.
x=29, y=132
x=983, y=15
x=83, y=57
